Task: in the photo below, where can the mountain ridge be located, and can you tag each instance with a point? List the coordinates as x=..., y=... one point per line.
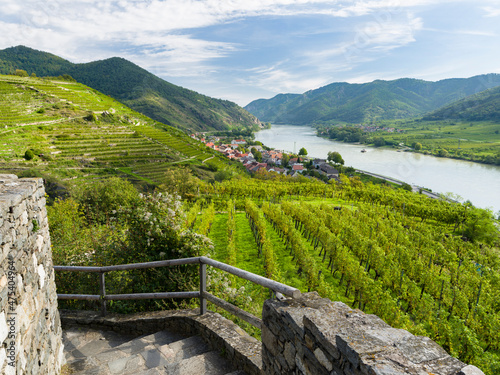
x=137, y=88
x=368, y=102
x=483, y=106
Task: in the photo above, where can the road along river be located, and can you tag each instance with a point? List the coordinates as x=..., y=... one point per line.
x=479, y=183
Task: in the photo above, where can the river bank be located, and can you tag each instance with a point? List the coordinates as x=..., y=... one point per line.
x=448, y=141
x=479, y=183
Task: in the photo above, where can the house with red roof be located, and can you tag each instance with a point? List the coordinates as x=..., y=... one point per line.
x=298, y=168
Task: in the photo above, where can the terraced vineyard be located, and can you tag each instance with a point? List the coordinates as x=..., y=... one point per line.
x=77, y=133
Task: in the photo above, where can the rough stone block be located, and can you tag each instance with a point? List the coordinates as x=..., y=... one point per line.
x=419, y=349
x=470, y=370
x=269, y=341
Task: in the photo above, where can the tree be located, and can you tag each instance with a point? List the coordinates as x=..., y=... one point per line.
x=100, y=199
x=302, y=152
x=379, y=141
x=21, y=73
x=417, y=146
x=479, y=225
x=180, y=181
x=285, y=159
x=335, y=157
x=256, y=154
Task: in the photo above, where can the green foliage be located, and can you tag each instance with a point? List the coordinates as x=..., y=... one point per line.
x=179, y=181
x=483, y=106
x=256, y=154
x=101, y=199
x=223, y=175
x=21, y=73
x=335, y=157
x=479, y=226
x=91, y=117
x=29, y=155
x=378, y=141
x=148, y=228
x=406, y=187
x=417, y=146
x=302, y=152
x=373, y=101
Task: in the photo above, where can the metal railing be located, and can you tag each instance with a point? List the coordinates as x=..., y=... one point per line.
x=202, y=294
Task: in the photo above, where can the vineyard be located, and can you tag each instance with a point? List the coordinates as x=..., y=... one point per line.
x=79, y=134
x=429, y=266
x=395, y=254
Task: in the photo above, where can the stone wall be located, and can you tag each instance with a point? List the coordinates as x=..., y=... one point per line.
x=312, y=335
x=30, y=328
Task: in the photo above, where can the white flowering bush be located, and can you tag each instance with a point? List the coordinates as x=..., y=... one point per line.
x=222, y=285
x=108, y=228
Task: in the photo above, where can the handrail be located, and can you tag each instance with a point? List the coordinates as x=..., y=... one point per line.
x=202, y=294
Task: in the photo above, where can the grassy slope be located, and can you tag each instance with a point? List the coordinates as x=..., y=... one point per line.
x=49, y=118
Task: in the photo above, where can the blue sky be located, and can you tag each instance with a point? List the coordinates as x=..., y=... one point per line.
x=243, y=50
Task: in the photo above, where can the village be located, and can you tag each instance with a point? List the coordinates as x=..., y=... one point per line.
x=258, y=158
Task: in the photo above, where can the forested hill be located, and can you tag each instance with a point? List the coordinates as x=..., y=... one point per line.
x=135, y=87
x=377, y=100
x=483, y=106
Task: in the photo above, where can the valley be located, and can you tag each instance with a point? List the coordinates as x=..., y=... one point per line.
x=125, y=188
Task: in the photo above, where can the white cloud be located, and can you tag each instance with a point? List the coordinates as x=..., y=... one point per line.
x=164, y=36
x=492, y=12
x=369, y=40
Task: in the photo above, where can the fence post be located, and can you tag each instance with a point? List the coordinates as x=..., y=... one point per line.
x=102, y=292
x=203, y=288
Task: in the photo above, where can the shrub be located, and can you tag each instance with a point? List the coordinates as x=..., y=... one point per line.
x=29, y=155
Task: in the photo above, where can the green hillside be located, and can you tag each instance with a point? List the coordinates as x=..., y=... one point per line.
x=484, y=106
x=368, y=102
x=68, y=132
x=137, y=88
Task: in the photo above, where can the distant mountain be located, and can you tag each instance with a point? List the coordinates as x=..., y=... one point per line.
x=377, y=100
x=483, y=106
x=137, y=88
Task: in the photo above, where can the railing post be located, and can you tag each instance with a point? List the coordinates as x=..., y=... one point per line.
x=102, y=292
x=203, y=288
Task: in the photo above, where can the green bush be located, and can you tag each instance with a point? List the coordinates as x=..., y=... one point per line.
x=29, y=155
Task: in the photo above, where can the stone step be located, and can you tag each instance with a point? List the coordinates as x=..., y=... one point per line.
x=209, y=363
x=79, y=343
x=96, y=352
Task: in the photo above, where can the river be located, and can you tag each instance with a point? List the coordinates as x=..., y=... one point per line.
x=479, y=183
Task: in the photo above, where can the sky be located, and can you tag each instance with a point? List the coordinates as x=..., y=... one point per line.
x=242, y=50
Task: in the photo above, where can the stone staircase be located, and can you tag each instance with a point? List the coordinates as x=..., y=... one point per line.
x=98, y=352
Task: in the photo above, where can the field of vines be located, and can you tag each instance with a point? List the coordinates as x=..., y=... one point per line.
x=395, y=254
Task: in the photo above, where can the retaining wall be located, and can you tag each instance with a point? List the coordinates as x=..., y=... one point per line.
x=30, y=328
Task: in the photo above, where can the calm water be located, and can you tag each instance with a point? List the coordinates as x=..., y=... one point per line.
x=478, y=183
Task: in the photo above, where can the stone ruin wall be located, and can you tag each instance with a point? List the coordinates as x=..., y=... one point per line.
x=30, y=328
x=312, y=335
